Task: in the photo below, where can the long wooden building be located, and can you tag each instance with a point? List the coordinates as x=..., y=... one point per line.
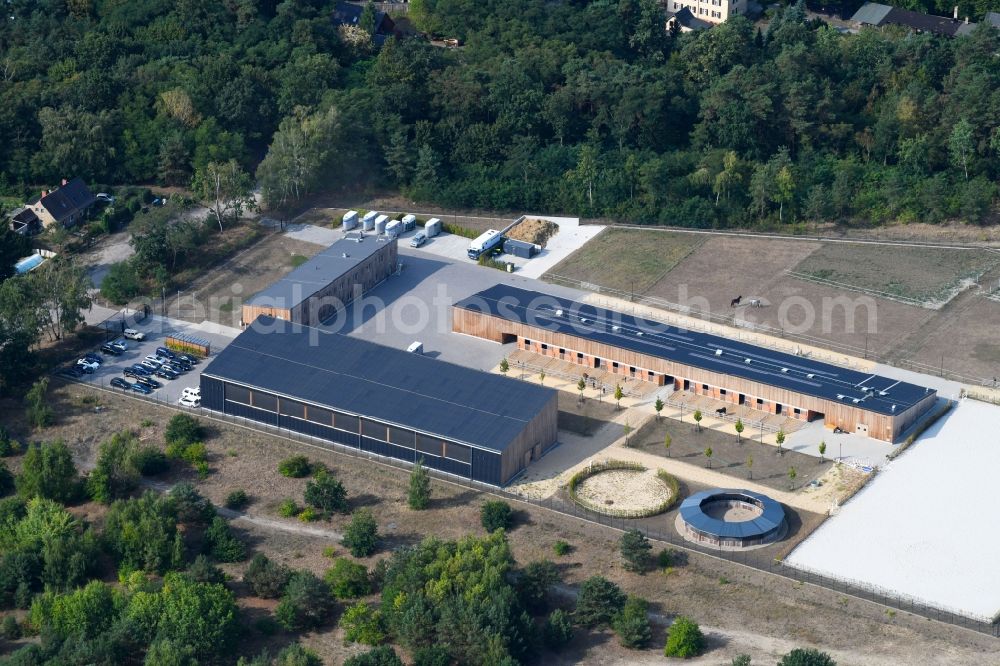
x=725, y=369
x=316, y=290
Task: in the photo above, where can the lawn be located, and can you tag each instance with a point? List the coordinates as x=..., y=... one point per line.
x=629, y=260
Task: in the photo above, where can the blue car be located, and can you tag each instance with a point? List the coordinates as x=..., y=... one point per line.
x=141, y=371
x=163, y=352
x=118, y=382
x=139, y=388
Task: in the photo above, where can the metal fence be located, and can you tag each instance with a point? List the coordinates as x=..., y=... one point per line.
x=754, y=559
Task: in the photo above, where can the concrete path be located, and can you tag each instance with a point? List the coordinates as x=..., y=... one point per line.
x=312, y=234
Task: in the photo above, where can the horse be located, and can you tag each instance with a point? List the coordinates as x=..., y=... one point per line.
x=736, y=301
x=755, y=303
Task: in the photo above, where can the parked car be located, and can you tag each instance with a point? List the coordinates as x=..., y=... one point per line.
x=189, y=401
x=153, y=358
x=118, y=382
x=111, y=350
x=185, y=358
x=193, y=391
x=163, y=352
x=139, y=388
x=166, y=373
x=418, y=239
x=132, y=372
x=179, y=368
x=133, y=334
x=87, y=366
x=94, y=358
x=149, y=382
x=140, y=371
x=152, y=366
x=73, y=372
x=120, y=345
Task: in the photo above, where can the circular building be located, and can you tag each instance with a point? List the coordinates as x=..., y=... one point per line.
x=731, y=519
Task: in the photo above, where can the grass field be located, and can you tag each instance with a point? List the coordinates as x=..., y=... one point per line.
x=918, y=273
x=627, y=259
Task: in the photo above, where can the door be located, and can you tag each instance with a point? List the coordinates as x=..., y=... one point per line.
x=862, y=429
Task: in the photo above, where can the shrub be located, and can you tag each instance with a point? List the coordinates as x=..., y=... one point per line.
x=48, y=471
x=237, y=499
x=40, y=414
x=684, y=639
x=306, y=603
x=10, y=629
x=329, y=551
x=222, y=544
x=561, y=548
x=183, y=429
x=308, y=515
x=347, y=579
x=203, y=571
x=288, y=508
x=599, y=601
x=8, y=445
x=557, y=630
x=296, y=655
x=632, y=624
x=266, y=578
x=806, y=657
x=296, y=467
x=361, y=535
x=419, y=496
x=635, y=549
x=191, y=506
x=496, y=515
x=202, y=470
x=362, y=624
x=114, y=475
x=150, y=461
x=142, y=533
x=326, y=493
x=383, y=655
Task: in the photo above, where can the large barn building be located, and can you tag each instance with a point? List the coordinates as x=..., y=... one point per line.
x=386, y=401
x=724, y=369
x=316, y=290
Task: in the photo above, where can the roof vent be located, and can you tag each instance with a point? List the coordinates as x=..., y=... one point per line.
x=747, y=361
x=883, y=393
x=639, y=334
x=894, y=408
x=583, y=320
x=840, y=396
x=856, y=400
x=810, y=375
x=345, y=255
x=559, y=313
x=718, y=352
x=616, y=328
x=784, y=370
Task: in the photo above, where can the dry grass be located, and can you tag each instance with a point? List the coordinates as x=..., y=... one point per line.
x=534, y=231
x=628, y=259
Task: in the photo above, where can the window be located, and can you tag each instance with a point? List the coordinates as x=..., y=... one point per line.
x=579, y=356
x=291, y=408
x=760, y=401
x=704, y=387
x=458, y=452
x=544, y=346
x=373, y=429
x=263, y=400
x=722, y=391
x=401, y=437
x=319, y=415
x=345, y=422
x=615, y=365
x=238, y=394
x=527, y=342
x=429, y=445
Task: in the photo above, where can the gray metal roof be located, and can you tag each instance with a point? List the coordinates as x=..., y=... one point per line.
x=871, y=13
x=319, y=271
x=366, y=379
x=769, y=521
x=701, y=350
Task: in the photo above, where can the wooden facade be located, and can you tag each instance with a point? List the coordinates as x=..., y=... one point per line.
x=721, y=386
x=537, y=437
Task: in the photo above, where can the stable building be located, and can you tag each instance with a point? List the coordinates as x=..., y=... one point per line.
x=724, y=369
x=380, y=400
x=316, y=290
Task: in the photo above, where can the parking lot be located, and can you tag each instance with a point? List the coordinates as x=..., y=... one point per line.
x=156, y=330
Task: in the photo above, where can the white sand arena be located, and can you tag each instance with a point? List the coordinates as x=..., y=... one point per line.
x=925, y=528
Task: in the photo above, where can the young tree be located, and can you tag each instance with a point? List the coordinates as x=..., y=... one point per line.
x=504, y=366
x=632, y=624
x=822, y=451
x=183, y=429
x=741, y=660
x=598, y=602
x=222, y=544
x=961, y=145
x=618, y=396
x=780, y=439
x=326, y=493
x=750, y=466
x=791, y=477
x=739, y=429
x=306, y=603
x=122, y=283
x=227, y=186
x=807, y=657
x=708, y=454
x=495, y=515
x=361, y=535
x=383, y=655
x=627, y=430
x=347, y=579
x=60, y=290
x=557, y=630
x=580, y=386
x=40, y=414
x=541, y=377
x=667, y=442
x=684, y=639
x=697, y=418
x=419, y=496
x=658, y=407
x=362, y=624
x=115, y=474
x=636, y=550
x=48, y=471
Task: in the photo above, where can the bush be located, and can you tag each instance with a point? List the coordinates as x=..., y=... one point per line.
x=306, y=603
x=433, y=655
x=362, y=624
x=496, y=515
x=114, y=475
x=191, y=506
x=183, y=429
x=237, y=499
x=296, y=467
x=10, y=629
x=806, y=657
x=195, y=453
x=684, y=639
x=222, y=544
x=561, y=548
x=8, y=445
x=150, y=461
x=632, y=624
x=288, y=508
x=40, y=414
x=48, y=471
x=142, y=533
x=326, y=493
x=347, y=579
x=419, y=496
x=308, y=515
x=635, y=549
x=266, y=578
x=203, y=571
x=383, y=655
x=296, y=655
x=361, y=535
x=599, y=601
x=557, y=630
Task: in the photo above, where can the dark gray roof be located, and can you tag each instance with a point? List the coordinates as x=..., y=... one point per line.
x=686, y=19
x=349, y=13
x=871, y=13
x=878, y=15
x=67, y=200
x=700, y=350
x=362, y=378
x=319, y=271
x=993, y=18
x=769, y=521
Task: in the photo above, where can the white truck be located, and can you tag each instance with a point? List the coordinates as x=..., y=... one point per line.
x=485, y=243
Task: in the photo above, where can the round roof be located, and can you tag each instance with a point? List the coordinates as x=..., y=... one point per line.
x=771, y=518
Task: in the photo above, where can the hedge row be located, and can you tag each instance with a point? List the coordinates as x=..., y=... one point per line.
x=597, y=468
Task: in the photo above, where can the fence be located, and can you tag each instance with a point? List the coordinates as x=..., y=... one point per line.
x=753, y=559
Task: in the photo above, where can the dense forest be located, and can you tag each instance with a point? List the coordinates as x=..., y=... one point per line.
x=583, y=107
